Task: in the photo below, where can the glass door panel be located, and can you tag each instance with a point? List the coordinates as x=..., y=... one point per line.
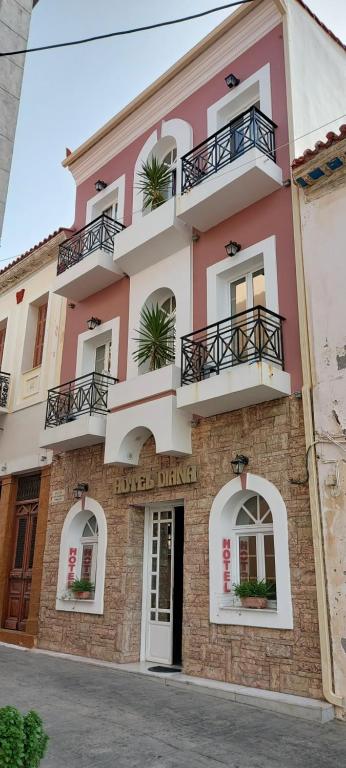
x=160, y=580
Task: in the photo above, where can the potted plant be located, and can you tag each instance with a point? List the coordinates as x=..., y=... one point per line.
x=155, y=180
x=156, y=337
x=254, y=594
x=82, y=589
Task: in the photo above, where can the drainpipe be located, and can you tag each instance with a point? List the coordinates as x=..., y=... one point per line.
x=307, y=391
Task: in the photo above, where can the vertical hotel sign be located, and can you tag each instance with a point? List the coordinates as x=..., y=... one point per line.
x=71, y=565
x=226, y=565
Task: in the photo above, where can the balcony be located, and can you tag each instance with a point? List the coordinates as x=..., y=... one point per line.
x=85, y=261
x=75, y=413
x=233, y=363
x=151, y=238
x=4, y=391
x=229, y=171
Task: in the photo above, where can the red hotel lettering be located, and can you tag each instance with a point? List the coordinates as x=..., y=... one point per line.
x=226, y=563
x=71, y=565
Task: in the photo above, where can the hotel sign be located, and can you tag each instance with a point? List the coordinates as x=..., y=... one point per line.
x=147, y=481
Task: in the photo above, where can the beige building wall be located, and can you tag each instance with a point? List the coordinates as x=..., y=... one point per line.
x=14, y=30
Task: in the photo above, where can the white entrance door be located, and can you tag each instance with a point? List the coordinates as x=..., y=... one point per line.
x=159, y=591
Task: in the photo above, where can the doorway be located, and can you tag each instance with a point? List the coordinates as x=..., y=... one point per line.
x=20, y=576
x=162, y=616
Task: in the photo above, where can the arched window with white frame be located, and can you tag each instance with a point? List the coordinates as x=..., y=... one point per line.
x=83, y=547
x=248, y=541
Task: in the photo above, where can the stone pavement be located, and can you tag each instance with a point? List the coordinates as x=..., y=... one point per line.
x=102, y=718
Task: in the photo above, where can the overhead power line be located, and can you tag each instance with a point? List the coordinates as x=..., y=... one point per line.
x=127, y=31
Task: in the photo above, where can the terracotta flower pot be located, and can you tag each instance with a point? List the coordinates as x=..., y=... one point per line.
x=82, y=595
x=254, y=602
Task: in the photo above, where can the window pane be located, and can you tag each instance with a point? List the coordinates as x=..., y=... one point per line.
x=18, y=560
x=251, y=506
x=258, y=284
x=247, y=558
x=165, y=565
x=238, y=296
x=269, y=557
x=243, y=518
x=164, y=617
x=264, y=509
x=87, y=557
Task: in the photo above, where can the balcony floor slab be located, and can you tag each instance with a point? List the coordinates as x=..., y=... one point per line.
x=90, y=275
x=83, y=431
x=234, y=388
x=243, y=182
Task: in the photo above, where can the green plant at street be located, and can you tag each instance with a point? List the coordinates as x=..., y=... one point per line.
x=156, y=338
x=155, y=180
x=23, y=742
x=82, y=585
x=254, y=588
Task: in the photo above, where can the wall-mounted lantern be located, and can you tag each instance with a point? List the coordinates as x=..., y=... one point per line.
x=231, y=81
x=232, y=248
x=239, y=463
x=100, y=185
x=80, y=490
x=93, y=322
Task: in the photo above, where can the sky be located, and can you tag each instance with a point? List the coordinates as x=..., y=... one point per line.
x=69, y=93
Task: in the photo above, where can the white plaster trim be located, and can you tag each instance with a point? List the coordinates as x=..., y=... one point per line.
x=114, y=192
x=182, y=132
x=219, y=276
x=70, y=537
x=137, y=196
x=221, y=524
x=86, y=347
x=254, y=88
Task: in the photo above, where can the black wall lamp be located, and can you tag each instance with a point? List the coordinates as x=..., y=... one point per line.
x=100, y=185
x=232, y=248
x=80, y=490
x=239, y=463
x=93, y=322
x=231, y=81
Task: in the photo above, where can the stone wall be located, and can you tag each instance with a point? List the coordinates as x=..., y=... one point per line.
x=272, y=436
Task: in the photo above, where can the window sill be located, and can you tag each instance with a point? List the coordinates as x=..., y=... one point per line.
x=240, y=609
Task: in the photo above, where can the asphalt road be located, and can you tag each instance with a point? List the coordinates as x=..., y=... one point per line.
x=102, y=718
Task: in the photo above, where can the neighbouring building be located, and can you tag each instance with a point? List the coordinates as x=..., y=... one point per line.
x=15, y=18
x=320, y=175
x=32, y=321
x=169, y=486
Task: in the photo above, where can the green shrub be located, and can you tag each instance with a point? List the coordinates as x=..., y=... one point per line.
x=35, y=740
x=11, y=738
x=23, y=741
x=255, y=589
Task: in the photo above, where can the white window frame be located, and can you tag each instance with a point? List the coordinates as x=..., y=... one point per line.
x=221, y=274
x=71, y=536
x=222, y=526
x=113, y=193
x=257, y=87
x=88, y=341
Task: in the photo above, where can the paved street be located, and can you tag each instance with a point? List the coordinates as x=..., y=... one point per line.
x=102, y=718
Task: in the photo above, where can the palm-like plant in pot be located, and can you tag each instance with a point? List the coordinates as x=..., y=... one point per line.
x=254, y=594
x=156, y=338
x=82, y=589
x=155, y=180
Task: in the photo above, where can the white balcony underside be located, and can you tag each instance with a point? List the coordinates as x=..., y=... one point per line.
x=150, y=239
x=238, y=387
x=93, y=273
x=230, y=190
x=83, y=431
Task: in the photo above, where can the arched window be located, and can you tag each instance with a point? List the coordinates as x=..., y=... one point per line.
x=89, y=541
x=83, y=548
x=248, y=541
x=255, y=541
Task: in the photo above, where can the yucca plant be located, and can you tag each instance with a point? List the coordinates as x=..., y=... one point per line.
x=156, y=338
x=155, y=180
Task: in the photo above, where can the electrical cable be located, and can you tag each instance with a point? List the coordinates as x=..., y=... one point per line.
x=123, y=32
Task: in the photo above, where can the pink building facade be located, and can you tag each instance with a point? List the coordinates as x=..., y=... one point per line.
x=170, y=486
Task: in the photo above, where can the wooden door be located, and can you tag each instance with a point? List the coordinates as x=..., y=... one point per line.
x=21, y=568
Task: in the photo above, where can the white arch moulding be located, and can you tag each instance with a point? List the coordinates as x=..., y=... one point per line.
x=71, y=538
x=221, y=525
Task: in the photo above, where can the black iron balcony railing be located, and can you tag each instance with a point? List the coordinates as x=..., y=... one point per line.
x=247, y=337
x=4, y=388
x=250, y=129
x=87, y=394
x=100, y=233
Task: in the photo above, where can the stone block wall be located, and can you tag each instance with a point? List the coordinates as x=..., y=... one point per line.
x=272, y=436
